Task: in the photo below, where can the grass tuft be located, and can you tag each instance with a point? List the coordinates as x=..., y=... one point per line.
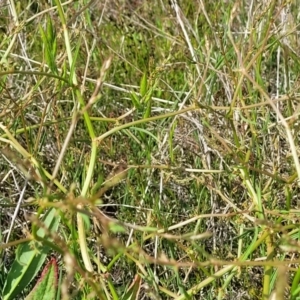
x=150, y=150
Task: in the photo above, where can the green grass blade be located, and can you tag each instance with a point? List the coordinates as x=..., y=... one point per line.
x=50, y=45
x=75, y=56
x=143, y=85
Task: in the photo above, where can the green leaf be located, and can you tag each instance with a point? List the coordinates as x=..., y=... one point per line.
x=30, y=257
x=171, y=135
x=75, y=56
x=135, y=100
x=86, y=221
x=143, y=85
x=295, y=288
x=116, y=228
x=148, y=101
x=45, y=289
x=144, y=131
x=50, y=31
x=50, y=44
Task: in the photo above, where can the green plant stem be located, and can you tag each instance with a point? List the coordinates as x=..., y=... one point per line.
x=88, y=123
x=130, y=124
x=256, y=242
x=51, y=75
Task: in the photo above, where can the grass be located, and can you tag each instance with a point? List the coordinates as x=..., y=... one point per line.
x=150, y=150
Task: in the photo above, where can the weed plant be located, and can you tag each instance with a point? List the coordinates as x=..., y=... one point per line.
x=149, y=149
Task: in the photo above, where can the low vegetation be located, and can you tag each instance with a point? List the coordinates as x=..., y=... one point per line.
x=149, y=150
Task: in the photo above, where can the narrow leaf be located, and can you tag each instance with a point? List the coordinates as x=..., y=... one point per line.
x=30, y=257
x=148, y=101
x=143, y=85
x=48, y=49
x=75, y=56
x=135, y=100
